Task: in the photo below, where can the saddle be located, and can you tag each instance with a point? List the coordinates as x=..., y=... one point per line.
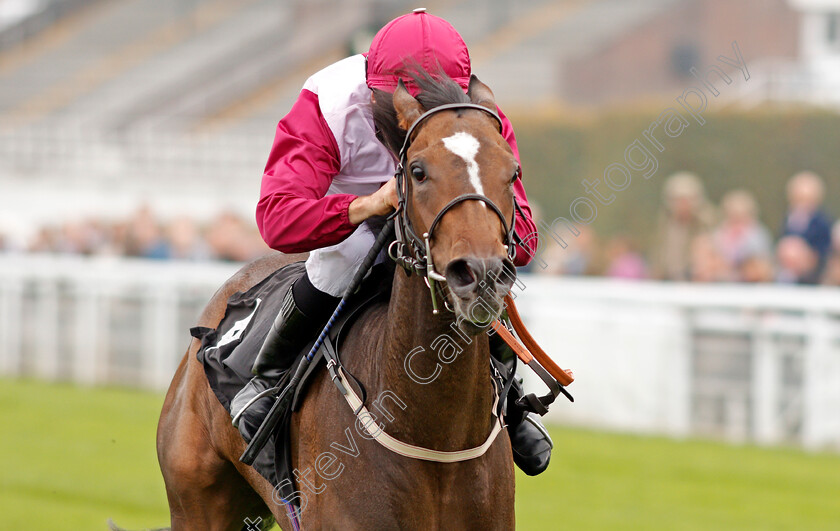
x=228, y=351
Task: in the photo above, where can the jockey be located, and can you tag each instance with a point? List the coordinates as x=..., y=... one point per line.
x=327, y=174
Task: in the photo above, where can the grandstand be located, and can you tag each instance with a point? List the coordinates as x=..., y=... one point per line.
x=201, y=65
x=174, y=102
x=136, y=101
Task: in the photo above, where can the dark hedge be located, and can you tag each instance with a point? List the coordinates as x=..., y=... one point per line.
x=757, y=150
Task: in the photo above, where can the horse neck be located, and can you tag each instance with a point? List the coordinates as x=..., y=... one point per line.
x=452, y=411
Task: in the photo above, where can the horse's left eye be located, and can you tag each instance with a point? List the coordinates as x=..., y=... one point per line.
x=418, y=174
x=516, y=175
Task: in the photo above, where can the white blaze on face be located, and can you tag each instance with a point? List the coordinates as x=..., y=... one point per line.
x=466, y=146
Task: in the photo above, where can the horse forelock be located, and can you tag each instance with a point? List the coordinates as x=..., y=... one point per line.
x=436, y=89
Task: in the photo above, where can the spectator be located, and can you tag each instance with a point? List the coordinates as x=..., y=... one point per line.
x=143, y=237
x=230, y=238
x=81, y=237
x=707, y=262
x=806, y=220
x=685, y=216
x=797, y=261
x=46, y=240
x=741, y=236
x=251, y=245
x=757, y=269
x=576, y=259
x=623, y=260
x=832, y=270
x=223, y=235
x=185, y=241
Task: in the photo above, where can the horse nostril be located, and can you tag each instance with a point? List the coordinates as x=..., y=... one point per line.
x=469, y=276
x=504, y=273
x=460, y=276
x=499, y=274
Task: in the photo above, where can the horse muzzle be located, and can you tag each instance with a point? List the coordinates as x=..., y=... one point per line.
x=477, y=287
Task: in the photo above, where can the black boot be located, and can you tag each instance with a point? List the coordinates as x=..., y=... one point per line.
x=291, y=330
x=250, y=419
x=529, y=439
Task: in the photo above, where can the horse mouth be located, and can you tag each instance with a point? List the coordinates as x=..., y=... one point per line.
x=477, y=287
x=476, y=312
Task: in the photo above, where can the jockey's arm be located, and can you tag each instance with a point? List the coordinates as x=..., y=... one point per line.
x=294, y=213
x=380, y=203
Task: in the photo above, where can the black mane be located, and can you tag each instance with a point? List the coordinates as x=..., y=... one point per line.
x=435, y=90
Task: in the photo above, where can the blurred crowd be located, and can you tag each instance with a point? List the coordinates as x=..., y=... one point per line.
x=143, y=235
x=696, y=241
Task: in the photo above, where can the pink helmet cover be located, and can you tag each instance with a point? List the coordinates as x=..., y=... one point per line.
x=416, y=38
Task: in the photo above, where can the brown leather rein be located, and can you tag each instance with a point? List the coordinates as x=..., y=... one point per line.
x=532, y=355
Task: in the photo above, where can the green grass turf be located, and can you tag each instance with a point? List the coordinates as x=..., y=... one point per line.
x=72, y=457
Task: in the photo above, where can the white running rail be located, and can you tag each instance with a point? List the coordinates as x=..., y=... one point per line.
x=744, y=363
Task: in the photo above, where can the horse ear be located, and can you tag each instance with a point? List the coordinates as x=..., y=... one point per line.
x=407, y=107
x=480, y=94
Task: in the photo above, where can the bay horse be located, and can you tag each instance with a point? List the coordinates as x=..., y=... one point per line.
x=349, y=481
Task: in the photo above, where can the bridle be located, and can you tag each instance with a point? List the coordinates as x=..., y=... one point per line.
x=415, y=256
x=410, y=251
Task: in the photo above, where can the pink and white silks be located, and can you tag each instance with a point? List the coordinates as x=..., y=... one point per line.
x=326, y=153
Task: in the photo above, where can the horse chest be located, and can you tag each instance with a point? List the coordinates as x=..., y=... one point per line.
x=377, y=489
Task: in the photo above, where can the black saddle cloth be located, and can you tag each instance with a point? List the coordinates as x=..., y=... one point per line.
x=228, y=351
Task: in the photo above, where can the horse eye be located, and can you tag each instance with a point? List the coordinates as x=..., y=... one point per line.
x=516, y=175
x=418, y=174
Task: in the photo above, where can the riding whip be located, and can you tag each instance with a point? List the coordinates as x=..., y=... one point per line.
x=277, y=410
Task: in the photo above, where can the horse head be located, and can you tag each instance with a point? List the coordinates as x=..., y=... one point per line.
x=458, y=175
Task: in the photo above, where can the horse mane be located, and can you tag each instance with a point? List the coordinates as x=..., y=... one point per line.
x=435, y=90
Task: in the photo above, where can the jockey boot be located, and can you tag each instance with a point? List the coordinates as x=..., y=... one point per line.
x=529, y=439
x=290, y=330
x=293, y=328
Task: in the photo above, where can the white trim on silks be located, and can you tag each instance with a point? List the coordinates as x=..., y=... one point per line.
x=344, y=100
x=409, y=450
x=366, y=164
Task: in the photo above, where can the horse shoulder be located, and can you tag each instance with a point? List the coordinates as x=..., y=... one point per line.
x=197, y=446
